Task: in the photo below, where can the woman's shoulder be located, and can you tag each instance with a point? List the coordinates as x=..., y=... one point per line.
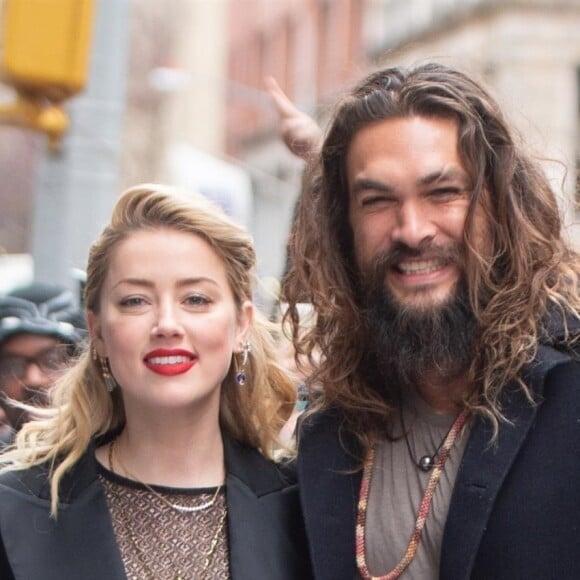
x=32, y=480
x=261, y=474
x=35, y=480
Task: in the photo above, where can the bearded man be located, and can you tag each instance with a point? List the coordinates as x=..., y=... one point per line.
x=445, y=439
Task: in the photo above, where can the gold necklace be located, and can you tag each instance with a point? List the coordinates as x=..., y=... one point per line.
x=174, y=506
x=207, y=556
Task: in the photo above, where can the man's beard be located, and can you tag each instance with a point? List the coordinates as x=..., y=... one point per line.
x=410, y=343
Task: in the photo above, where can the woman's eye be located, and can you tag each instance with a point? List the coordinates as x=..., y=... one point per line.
x=197, y=300
x=130, y=301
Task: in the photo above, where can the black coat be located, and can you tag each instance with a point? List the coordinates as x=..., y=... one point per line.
x=265, y=527
x=515, y=507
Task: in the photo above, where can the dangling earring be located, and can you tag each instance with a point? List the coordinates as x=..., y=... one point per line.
x=110, y=381
x=241, y=372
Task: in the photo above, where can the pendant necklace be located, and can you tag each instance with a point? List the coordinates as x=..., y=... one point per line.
x=422, y=513
x=425, y=462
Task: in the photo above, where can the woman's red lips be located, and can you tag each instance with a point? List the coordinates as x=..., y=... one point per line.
x=169, y=362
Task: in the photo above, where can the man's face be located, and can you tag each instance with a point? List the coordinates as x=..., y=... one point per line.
x=29, y=364
x=409, y=196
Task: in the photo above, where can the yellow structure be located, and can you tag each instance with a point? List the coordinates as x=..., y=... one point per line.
x=44, y=55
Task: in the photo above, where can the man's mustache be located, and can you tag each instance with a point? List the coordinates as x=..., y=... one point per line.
x=427, y=250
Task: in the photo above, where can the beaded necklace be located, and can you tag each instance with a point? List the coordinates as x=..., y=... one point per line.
x=424, y=506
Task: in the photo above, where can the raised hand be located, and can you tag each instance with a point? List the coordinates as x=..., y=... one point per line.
x=299, y=131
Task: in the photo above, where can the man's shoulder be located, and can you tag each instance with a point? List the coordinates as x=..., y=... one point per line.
x=325, y=430
x=328, y=418
x=551, y=356
x=564, y=370
x=555, y=372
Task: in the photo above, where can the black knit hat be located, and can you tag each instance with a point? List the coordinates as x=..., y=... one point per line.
x=43, y=309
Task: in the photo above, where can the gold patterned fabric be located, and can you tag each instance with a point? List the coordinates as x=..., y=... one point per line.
x=161, y=543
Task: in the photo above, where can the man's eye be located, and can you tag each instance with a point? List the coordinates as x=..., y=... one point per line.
x=371, y=200
x=447, y=192
x=55, y=357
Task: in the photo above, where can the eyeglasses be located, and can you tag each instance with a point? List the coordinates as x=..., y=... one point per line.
x=48, y=360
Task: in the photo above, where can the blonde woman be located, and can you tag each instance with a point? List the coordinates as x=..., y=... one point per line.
x=154, y=460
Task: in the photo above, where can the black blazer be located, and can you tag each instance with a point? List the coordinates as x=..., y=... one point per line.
x=515, y=508
x=265, y=527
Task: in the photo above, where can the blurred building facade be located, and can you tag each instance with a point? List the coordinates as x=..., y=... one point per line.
x=176, y=83
x=197, y=115
x=178, y=90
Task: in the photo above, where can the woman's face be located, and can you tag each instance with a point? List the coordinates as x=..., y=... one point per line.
x=168, y=322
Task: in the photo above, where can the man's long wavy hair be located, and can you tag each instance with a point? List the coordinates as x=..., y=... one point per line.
x=82, y=409
x=528, y=274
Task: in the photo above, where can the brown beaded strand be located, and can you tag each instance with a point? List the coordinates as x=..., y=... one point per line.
x=424, y=506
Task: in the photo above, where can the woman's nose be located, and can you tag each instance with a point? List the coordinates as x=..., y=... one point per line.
x=167, y=323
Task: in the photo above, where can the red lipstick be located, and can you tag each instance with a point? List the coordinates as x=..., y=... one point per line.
x=169, y=362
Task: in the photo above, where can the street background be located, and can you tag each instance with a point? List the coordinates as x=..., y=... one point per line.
x=175, y=94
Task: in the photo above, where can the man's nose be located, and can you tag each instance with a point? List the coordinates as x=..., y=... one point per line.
x=35, y=376
x=413, y=225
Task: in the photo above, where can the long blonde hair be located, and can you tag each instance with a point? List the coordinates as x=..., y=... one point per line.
x=83, y=409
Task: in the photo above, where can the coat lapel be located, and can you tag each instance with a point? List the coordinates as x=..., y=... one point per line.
x=265, y=527
x=329, y=486
x=484, y=467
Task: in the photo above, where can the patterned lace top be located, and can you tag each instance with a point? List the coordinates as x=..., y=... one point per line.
x=161, y=543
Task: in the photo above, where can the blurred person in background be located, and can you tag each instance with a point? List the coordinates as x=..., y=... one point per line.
x=155, y=459
x=298, y=372
x=447, y=306
x=5, y=429
x=41, y=329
